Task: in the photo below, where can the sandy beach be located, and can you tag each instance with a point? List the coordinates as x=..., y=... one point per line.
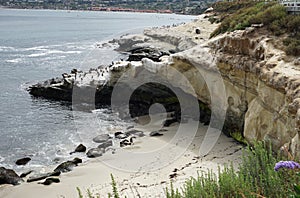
x=147, y=180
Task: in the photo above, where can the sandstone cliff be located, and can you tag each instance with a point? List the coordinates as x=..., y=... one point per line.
x=240, y=76
x=261, y=87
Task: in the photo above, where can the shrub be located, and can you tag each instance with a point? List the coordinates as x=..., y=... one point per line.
x=272, y=15
x=255, y=178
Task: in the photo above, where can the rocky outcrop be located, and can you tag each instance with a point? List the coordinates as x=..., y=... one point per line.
x=138, y=54
x=42, y=176
x=50, y=180
x=23, y=161
x=261, y=88
x=95, y=152
x=269, y=85
x=8, y=176
x=79, y=149
x=68, y=165
x=101, y=138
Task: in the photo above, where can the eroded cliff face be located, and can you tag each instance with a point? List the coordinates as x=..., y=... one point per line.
x=251, y=87
x=262, y=91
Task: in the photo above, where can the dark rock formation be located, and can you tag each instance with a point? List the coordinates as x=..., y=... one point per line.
x=95, y=152
x=47, y=90
x=152, y=53
x=8, y=176
x=79, y=148
x=105, y=145
x=64, y=89
x=135, y=133
x=50, y=180
x=127, y=142
x=25, y=174
x=155, y=134
x=101, y=138
x=23, y=161
x=120, y=135
x=42, y=176
x=68, y=165
x=168, y=122
x=234, y=119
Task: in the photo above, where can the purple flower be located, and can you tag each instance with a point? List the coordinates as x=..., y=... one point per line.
x=286, y=164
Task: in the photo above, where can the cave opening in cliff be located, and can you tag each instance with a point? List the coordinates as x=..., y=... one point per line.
x=149, y=94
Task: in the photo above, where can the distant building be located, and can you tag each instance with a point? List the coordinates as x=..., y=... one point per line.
x=293, y=6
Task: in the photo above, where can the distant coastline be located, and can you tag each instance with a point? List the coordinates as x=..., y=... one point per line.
x=99, y=9
x=164, y=7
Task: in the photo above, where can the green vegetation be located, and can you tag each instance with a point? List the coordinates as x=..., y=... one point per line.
x=88, y=192
x=255, y=178
x=79, y=193
x=238, y=137
x=274, y=17
x=297, y=191
x=115, y=189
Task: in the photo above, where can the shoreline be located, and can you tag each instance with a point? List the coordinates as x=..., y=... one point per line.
x=144, y=182
x=108, y=11
x=95, y=174
x=148, y=165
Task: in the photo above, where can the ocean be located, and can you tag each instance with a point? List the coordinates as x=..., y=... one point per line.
x=36, y=45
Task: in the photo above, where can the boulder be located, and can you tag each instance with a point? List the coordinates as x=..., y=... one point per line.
x=120, y=135
x=79, y=148
x=138, y=54
x=105, y=145
x=23, y=161
x=135, y=133
x=125, y=143
x=8, y=176
x=155, y=133
x=42, y=176
x=50, y=180
x=95, y=152
x=68, y=165
x=101, y=138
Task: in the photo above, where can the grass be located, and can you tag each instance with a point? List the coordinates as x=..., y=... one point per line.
x=242, y=14
x=115, y=193
x=255, y=177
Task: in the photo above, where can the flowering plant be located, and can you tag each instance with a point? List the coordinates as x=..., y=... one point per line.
x=286, y=164
x=290, y=165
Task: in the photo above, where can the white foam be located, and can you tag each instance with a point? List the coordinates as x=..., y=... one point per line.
x=37, y=48
x=16, y=60
x=48, y=52
x=7, y=49
x=37, y=55
x=2, y=159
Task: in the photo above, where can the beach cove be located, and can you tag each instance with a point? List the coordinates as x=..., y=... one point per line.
x=232, y=75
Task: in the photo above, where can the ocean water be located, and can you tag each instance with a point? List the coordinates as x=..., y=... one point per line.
x=36, y=45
